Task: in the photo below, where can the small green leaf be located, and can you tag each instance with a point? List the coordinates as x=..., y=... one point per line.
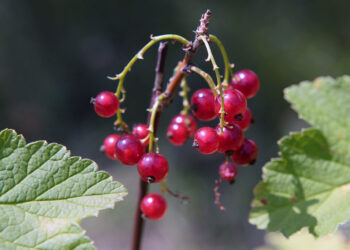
x=309, y=186
x=44, y=193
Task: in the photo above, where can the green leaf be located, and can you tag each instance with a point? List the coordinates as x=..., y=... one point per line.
x=44, y=193
x=309, y=185
x=304, y=240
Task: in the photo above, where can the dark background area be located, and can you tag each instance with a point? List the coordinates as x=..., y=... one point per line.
x=55, y=56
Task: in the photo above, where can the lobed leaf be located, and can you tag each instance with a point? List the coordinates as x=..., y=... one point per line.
x=309, y=185
x=44, y=193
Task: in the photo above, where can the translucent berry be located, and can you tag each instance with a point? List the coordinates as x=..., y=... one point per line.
x=246, y=154
x=141, y=131
x=245, y=120
x=106, y=104
x=247, y=82
x=109, y=146
x=203, y=105
x=129, y=149
x=177, y=133
x=230, y=139
x=228, y=171
x=206, y=140
x=153, y=167
x=235, y=104
x=188, y=121
x=153, y=206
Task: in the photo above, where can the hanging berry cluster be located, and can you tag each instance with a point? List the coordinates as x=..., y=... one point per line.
x=225, y=99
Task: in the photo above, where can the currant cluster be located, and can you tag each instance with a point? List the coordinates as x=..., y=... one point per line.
x=237, y=116
x=225, y=99
x=153, y=167
x=129, y=149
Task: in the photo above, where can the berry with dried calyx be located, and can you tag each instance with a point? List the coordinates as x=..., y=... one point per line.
x=235, y=104
x=246, y=154
x=203, y=105
x=206, y=140
x=245, y=121
x=177, y=133
x=106, y=104
x=153, y=167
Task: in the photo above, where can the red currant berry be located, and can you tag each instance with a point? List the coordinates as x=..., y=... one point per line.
x=234, y=104
x=153, y=206
x=109, y=146
x=206, y=140
x=177, y=133
x=141, y=131
x=228, y=171
x=231, y=138
x=188, y=121
x=153, y=167
x=129, y=149
x=246, y=154
x=247, y=82
x=106, y=104
x=203, y=105
x=246, y=120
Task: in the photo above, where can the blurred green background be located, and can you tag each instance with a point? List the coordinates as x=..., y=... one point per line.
x=55, y=56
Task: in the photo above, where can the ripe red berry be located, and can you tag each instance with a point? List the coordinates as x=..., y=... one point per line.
x=246, y=120
x=109, y=146
x=206, y=140
x=153, y=167
x=177, y=133
x=228, y=171
x=203, y=105
x=106, y=104
x=129, y=149
x=141, y=131
x=153, y=206
x=234, y=104
x=247, y=82
x=246, y=154
x=188, y=121
x=230, y=139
